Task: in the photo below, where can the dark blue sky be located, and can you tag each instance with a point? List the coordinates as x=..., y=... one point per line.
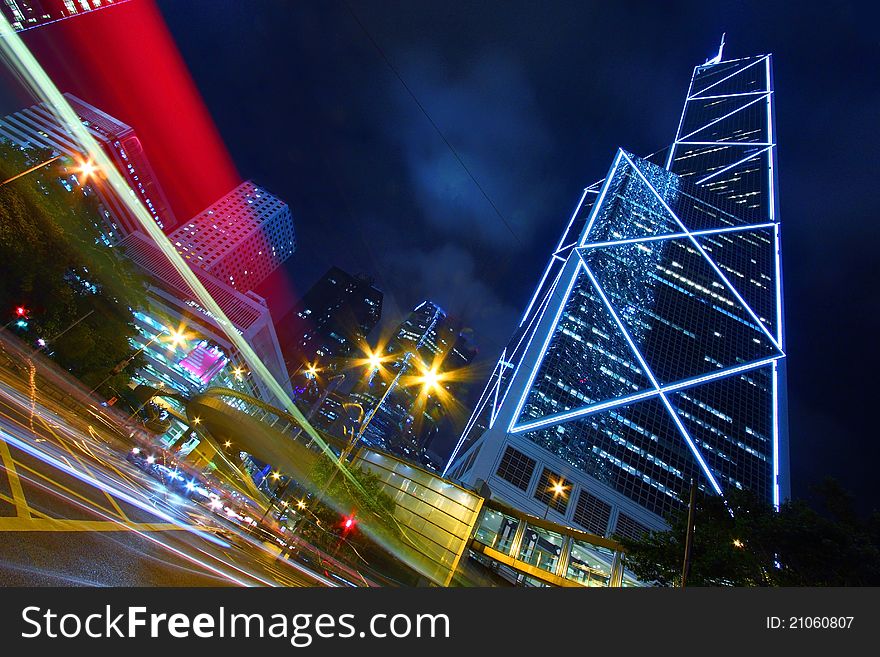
x=535, y=98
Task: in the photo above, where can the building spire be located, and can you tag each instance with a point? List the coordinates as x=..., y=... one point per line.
x=717, y=58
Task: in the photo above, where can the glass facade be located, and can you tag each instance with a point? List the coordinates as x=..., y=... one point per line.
x=436, y=516
x=539, y=553
x=652, y=351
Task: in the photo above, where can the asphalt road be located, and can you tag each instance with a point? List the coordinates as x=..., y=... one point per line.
x=73, y=511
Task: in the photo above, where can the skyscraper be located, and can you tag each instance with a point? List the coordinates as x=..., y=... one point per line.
x=403, y=413
x=240, y=239
x=37, y=127
x=26, y=14
x=337, y=313
x=184, y=344
x=652, y=352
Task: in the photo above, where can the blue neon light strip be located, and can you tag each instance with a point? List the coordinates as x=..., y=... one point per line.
x=538, y=319
x=550, y=333
x=729, y=114
x=672, y=236
x=699, y=95
x=735, y=164
x=711, y=262
x=598, y=204
x=481, y=403
x=654, y=382
x=680, y=122
x=776, y=494
x=567, y=416
x=724, y=143
x=742, y=93
x=574, y=216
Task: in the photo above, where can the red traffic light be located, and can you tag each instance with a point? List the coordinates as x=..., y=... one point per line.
x=348, y=522
x=21, y=311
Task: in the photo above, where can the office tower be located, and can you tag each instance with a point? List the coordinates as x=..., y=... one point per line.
x=37, y=127
x=240, y=239
x=652, y=352
x=405, y=409
x=185, y=347
x=27, y=14
x=331, y=321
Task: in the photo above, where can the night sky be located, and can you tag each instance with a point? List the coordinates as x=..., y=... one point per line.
x=535, y=97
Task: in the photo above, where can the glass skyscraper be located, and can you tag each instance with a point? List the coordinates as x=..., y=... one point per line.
x=652, y=351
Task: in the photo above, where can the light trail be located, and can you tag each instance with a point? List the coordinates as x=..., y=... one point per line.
x=37, y=81
x=110, y=522
x=30, y=72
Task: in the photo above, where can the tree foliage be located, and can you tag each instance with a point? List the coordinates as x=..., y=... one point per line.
x=369, y=504
x=78, y=292
x=742, y=541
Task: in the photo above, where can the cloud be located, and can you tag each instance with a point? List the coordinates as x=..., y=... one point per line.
x=447, y=276
x=488, y=113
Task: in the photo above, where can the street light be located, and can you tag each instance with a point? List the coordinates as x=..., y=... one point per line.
x=33, y=168
x=178, y=338
x=374, y=360
x=558, y=489
x=429, y=380
x=86, y=169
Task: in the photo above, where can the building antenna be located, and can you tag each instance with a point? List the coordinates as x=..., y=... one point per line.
x=717, y=58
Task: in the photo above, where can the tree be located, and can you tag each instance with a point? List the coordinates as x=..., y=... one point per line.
x=370, y=507
x=742, y=541
x=54, y=262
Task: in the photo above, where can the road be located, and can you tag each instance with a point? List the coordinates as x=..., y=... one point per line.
x=74, y=511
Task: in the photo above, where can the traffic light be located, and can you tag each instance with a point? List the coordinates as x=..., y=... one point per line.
x=21, y=311
x=348, y=523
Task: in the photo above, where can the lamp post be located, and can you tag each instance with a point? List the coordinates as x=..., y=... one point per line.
x=558, y=490
x=27, y=171
x=430, y=379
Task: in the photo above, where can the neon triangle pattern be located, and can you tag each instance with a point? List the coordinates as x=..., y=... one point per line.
x=652, y=352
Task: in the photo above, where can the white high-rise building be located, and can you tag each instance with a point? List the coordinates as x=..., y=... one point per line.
x=37, y=127
x=240, y=239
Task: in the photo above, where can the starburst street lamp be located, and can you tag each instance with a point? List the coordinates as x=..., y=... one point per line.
x=86, y=170
x=374, y=360
x=178, y=338
x=559, y=490
x=430, y=380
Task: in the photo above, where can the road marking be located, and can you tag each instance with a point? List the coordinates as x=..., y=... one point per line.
x=19, y=500
x=63, y=442
x=66, y=525
x=59, y=486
